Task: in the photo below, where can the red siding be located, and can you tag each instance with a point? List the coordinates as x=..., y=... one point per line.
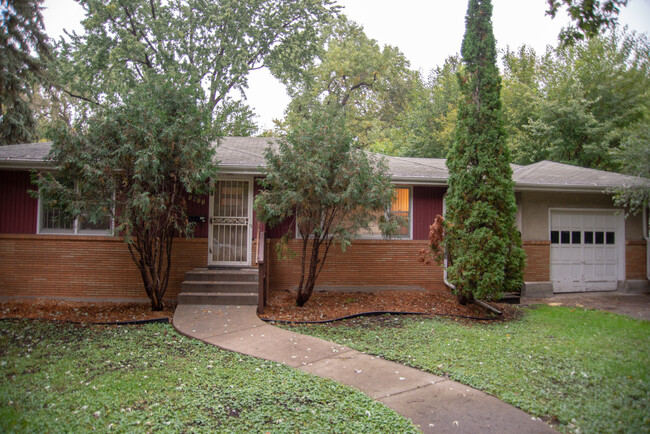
x=427, y=204
x=18, y=210
x=256, y=189
x=279, y=230
x=199, y=206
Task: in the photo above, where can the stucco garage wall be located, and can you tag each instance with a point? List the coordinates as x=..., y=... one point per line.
x=534, y=208
x=534, y=222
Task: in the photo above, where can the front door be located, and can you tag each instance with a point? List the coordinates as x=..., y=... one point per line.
x=231, y=223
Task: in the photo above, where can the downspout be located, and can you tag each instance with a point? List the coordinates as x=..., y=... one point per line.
x=444, y=274
x=444, y=271
x=646, y=237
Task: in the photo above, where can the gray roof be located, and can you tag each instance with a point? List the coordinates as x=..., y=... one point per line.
x=245, y=155
x=549, y=175
x=27, y=155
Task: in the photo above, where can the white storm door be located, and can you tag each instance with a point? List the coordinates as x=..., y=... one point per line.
x=231, y=223
x=585, y=250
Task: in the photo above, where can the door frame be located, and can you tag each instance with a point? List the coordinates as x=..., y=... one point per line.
x=249, y=237
x=620, y=245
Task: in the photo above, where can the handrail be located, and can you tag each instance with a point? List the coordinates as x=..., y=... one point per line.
x=261, y=262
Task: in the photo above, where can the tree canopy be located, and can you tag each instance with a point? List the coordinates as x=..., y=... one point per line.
x=481, y=239
x=353, y=71
x=577, y=104
x=210, y=45
x=24, y=49
x=591, y=17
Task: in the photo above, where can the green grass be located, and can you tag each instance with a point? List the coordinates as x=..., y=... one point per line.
x=70, y=378
x=583, y=370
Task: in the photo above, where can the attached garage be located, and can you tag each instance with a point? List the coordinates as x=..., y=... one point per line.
x=587, y=250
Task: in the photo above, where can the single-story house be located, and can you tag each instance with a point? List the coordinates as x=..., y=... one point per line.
x=574, y=236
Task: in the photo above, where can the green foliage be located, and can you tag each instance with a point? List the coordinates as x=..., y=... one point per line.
x=425, y=127
x=482, y=242
x=584, y=369
x=209, y=44
x=71, y=378
x=373, y=83
x=137, y=159
x=633, y=157
x=591, y=17
x=24, y=51
x=577, y=104
x=330, y=187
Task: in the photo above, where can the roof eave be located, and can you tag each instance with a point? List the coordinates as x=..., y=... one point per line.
x=25, y=164
x=564, y=187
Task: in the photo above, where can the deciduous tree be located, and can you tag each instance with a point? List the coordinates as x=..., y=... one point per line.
x=371, y=82
x=212, y=44
x=591, y=17
x=136, y=159
x=330, y=187
x=481, y=237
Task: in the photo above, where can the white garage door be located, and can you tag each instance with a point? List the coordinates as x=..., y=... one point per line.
x=585, y=250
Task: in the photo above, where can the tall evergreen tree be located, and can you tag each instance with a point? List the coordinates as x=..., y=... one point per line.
x=23, y=50
x=482, y=240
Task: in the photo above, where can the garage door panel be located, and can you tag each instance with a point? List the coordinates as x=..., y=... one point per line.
x=584, y=253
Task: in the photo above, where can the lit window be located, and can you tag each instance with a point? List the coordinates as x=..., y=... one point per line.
x=400, y=206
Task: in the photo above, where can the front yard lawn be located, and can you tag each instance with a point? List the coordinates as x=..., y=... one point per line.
x=582, y=370
x=71, y=378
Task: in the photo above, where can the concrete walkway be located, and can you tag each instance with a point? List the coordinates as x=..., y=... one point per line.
x=434, y=403
x=634, y=305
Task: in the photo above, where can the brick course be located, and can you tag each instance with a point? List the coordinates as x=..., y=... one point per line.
x=77, y=267
x=364, y=263
x=538, y=261
x=635, y=260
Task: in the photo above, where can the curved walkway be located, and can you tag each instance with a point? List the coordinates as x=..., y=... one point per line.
x=434, y=403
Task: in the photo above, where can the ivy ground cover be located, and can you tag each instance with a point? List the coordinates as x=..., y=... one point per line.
x=70, y=378
x=580, y=370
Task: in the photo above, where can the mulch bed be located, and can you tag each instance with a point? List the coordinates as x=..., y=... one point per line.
x=85, y=312
x=323, y=306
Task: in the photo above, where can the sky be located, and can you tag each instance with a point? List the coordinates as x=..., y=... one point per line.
x=426, y=31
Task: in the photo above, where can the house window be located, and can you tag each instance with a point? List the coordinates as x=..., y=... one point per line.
x=401, y=205
x=53, y=220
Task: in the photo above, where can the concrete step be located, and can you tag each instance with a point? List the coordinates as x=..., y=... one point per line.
x=218, y=286
x=233, y=298
x=222, y=274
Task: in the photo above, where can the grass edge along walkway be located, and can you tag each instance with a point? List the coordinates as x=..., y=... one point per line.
x=579, y=369
x=66, y=378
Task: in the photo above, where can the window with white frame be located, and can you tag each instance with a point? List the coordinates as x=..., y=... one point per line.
x=54, y=220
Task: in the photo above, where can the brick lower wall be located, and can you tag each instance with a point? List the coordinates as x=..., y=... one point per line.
x=79, y=267
x=538, y=261
x=635, y=260
x=368, y=263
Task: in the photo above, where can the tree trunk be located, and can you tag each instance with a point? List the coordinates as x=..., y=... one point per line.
x=304, y=293
x=464, y=299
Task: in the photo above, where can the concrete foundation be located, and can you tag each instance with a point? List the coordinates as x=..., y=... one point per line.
x=537, y=289
x=634, y=286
